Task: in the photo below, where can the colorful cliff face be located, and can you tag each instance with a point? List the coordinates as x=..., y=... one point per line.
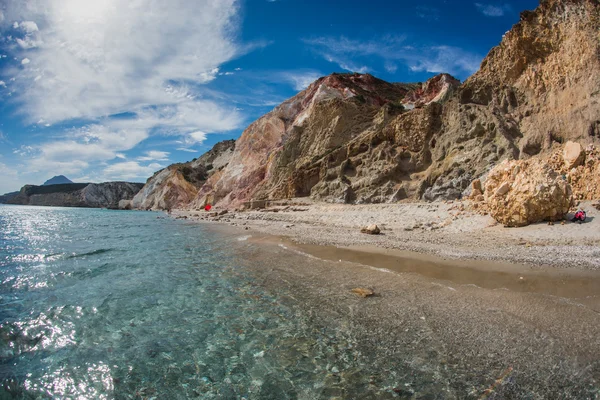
x=177, y=185
x=325, y=143
x=357, y=139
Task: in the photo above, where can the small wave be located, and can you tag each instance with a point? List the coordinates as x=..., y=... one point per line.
x=244, y=238
x=387, y=271
x=93, y=272
x=90, y=253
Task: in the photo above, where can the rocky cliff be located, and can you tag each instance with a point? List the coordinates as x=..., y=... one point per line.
x=95, y=195
x=540, y=86
x=354, y=138
x=335, y=141
x=178, y=184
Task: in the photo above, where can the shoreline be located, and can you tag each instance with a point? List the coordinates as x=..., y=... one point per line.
x=447, y=231
x=568, y=283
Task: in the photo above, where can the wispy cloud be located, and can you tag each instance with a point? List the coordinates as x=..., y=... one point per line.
x=300, y=79
x=155, y=155
x=130, y=170
x=391, y=50
x=491, y=10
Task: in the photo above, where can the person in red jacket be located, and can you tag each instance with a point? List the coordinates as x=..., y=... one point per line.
x=579, y=216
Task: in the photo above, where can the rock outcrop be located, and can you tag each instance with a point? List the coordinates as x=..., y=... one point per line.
x=94, y=195
x=108, y=194
x=521, y=192
x=177, y=185
x=356, y=139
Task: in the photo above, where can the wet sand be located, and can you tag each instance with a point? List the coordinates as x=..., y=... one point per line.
x=572, y=283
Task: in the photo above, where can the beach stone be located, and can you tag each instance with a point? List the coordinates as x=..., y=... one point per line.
x=371, y=229
x=362, y=292
x=521, y=192
x=573, y=155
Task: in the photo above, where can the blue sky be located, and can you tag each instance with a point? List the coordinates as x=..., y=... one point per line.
x=103, y=90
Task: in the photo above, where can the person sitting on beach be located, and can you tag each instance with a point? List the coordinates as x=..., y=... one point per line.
x=579, y=216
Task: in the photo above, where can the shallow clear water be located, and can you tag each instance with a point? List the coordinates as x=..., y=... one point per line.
x=106, y=304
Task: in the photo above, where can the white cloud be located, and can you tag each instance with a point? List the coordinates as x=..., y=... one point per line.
x=57, y=167
x=2, y=84
x=28, y=26
x=155, y=155
x=491, y=10
x=84, y=61
x=130, y=170
x=109, y=57
x=24, y=150
x=77, y=148
x=187, y=150
x=393, y=49
x=390, y=67
x=447, y=59
x=300, y=80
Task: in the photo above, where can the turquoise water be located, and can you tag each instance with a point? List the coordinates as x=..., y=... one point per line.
x=100, y=304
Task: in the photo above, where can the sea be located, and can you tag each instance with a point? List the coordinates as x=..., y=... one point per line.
x=104, y=304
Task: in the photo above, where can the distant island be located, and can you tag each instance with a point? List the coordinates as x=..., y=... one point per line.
x=57, y=180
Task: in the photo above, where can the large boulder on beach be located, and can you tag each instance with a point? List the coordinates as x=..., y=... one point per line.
x=522, y=192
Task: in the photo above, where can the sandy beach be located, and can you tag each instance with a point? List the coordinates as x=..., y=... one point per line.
x=446, y=230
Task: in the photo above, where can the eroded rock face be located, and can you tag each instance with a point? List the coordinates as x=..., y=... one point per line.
x=518, y=193
x=109, y=194
x=177, y=185
x=539, y=87
x=347, y=138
